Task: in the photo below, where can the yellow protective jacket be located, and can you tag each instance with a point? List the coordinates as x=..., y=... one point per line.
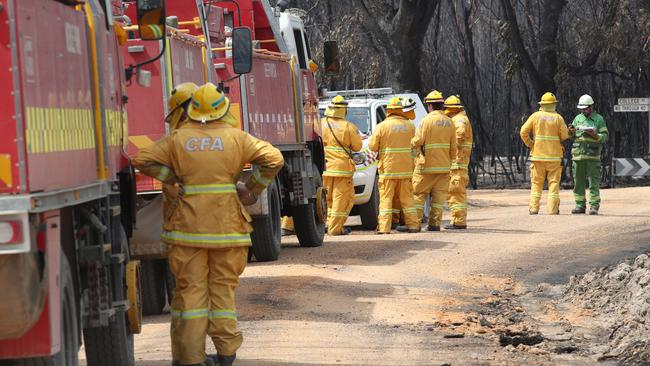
x=207, y=160
x=549, y=130
x=392, y=140
x=464, y=141
x=337, y=158
x=435, y=140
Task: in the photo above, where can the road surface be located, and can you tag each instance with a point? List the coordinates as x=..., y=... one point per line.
x=421, y=299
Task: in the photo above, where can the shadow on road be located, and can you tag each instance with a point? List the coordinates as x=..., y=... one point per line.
x=308, y=298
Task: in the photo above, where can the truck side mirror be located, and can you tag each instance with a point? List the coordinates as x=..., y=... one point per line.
x=151, y=19
x=331, y=56
x=242, y=50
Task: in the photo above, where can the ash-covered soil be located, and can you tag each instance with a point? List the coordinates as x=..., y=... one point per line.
x=619, y=297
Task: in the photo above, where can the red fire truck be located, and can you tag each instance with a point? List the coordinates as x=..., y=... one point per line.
x=277, y=101
x=66, y=187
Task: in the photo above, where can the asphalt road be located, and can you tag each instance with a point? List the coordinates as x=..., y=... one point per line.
x=396, y=299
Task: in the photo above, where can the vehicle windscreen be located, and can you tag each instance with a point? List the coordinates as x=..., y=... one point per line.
x=360, y=116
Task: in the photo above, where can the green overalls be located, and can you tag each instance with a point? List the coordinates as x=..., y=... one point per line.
x=586, y=158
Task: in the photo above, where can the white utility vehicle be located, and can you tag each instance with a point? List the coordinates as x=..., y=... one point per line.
x=366, y=109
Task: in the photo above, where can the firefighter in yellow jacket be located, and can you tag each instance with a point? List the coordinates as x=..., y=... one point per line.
x=457, y=197
x=341, y=138
x=392, y=140
x=546, y=152
x=177, y=106
x=209, y=230
x=435, y=140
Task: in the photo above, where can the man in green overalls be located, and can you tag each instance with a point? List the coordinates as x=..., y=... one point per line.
x=590, y=133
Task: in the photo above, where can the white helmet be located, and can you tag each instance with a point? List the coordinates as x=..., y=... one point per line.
x=585, y=101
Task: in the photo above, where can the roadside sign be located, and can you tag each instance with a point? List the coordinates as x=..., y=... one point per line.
x=627, y=167
x=633, y=101
x=631, y=108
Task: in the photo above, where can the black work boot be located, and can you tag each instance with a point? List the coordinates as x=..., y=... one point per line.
x=593, y=210
x=578, y=210
x=433, y=228
x=226, y=360
x=406, y=229
x=455, y=227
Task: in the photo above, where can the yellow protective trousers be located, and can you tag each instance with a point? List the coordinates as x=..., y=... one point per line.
x=457, y=197
x=436, y=185
x=340, y=199
x=539, y=172
x=402, y=190
x=204, y=301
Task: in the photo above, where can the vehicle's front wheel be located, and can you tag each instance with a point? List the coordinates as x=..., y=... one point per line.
x=267, y=234
x=69, y=353
x=369, y=211
x=153, y=273
x=309, y=219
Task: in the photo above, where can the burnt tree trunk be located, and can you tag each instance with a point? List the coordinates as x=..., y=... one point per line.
x=541, y=71
x=397, y=31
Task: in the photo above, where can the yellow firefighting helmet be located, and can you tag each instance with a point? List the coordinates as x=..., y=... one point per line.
x=404, y=107
x=434, y=97
x=548, y=98
x=337, y=108
x=208, y=104
x=394, y=103
x=453, y=102
x=177, y=103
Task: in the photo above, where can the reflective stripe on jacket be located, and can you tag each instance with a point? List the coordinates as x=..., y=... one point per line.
x=392, y=140
x=435, y=140
x=337, y=160
x=549, y=130
x=207, y=161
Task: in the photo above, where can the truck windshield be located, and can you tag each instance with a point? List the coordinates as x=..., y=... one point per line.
x=360, y=116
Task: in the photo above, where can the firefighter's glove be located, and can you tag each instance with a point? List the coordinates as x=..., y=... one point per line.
x=246, y=196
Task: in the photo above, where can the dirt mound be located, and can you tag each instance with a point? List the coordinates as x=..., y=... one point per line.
x=619, y=297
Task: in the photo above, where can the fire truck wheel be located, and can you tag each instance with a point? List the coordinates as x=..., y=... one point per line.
x=153, y=286
x=112, y=345
x=369, y=211
x=310, y=230
x=69, y=354
x=267, y=234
